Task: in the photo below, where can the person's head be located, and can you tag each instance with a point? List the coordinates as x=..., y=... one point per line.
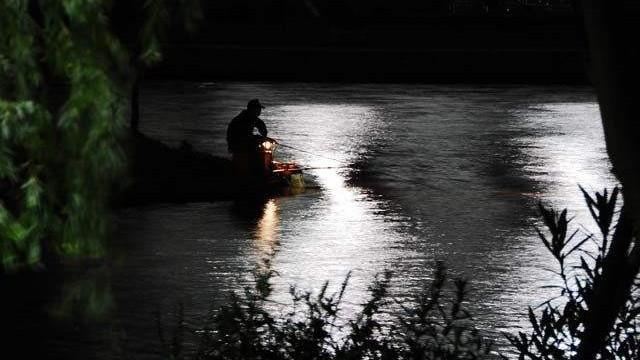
x=254, y=107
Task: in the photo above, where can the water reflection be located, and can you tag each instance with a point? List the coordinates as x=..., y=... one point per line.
x=322, y=236
x=331, y=134
x=65, y=314
x=571, y=153
x=267, y=230
x=85, y=297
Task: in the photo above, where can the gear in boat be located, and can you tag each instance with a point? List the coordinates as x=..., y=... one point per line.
x=276, y=173
x=257, y=169
x=253, y=163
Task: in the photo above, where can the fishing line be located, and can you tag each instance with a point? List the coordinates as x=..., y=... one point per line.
x=311, y=153
x=325, y=167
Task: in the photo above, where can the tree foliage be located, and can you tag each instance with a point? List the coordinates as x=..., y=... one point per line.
x=60, y=144
x=561, y=328
x=63, y=89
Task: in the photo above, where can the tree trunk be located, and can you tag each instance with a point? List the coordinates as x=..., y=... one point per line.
x=614, y=72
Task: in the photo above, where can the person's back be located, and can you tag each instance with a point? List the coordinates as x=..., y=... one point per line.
x=240, y=137
x=241, y=142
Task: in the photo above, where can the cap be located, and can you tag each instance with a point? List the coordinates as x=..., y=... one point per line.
x=254, y=103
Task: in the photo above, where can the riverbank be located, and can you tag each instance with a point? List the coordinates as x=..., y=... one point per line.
x=159, y=173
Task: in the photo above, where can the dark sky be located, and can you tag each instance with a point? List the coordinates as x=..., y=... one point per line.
x=381, y=40
x=382, y=23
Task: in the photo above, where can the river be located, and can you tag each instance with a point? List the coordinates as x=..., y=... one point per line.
x=416, y=174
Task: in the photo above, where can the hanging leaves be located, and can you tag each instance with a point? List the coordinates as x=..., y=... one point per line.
x=57, y=163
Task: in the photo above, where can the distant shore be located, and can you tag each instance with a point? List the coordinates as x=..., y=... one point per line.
x=341, y=64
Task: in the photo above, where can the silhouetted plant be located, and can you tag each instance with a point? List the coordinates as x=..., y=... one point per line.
x=559, y=329
x=434, y=326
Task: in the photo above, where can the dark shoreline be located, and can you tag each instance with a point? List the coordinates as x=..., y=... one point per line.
x=160, y=173
x=378, y=65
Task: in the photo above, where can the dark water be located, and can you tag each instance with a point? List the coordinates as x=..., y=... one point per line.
x=426, y=173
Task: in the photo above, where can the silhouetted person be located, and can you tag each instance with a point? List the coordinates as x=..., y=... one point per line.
x=242, y=144
x=240, y=137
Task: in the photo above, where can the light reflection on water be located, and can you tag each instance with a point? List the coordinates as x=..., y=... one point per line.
x=342, y=230
x=572, y=153
x=434, y=172
x=267, y=229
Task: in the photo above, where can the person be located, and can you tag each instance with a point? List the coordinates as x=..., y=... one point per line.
x=240, y=138
x=241, y=141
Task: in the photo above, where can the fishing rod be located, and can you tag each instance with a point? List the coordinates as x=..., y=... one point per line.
x=313, y=168
x=311, y=153
x=325, y=167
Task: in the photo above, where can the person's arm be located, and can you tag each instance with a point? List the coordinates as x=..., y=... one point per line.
x=262, y=128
